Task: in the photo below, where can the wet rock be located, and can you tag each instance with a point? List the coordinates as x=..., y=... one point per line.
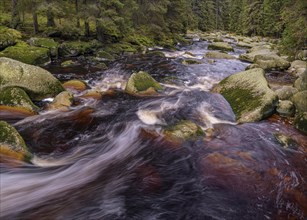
x=252, y=66
x=75, y=84
x=249, y=95
x=16, y=100
x=45, y=43
x=300, y=101
x=27, y=54
x=12, y=144
x=142, y=83
x=301, y=82
x=35, y=81
x=297, y=67
x=218, y=55
x=62, y=101
x=8, y=37
x=271, y=61
x=285, y=141
x=190, y=62
x=286, y=108
x=302, y=55
x=69, y=63
x=245, y=44
x=220, y=46
x=92, y=94
x=300, y=122
x=103, y=55
x=286, y=92
x=183, y=130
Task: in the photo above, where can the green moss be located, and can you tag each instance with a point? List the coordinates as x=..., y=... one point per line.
x=141, y=81
x=120, y=48
x=185, y=129
x=75, y=48
x=44, y=42
x=220, y=46
x=104, y=55
x=16, y=97
x=27, y=54
x=8, y=37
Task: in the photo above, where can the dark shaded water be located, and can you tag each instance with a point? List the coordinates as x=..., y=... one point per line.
x=109, y=159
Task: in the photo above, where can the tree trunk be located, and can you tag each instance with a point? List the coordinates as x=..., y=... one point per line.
x=15, y=15
x=77, y=13
x=50, y=15
x=35, y=22
x=86, y=28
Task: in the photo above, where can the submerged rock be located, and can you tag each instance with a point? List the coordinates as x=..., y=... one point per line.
x=8, y=37
x=191, y=62
x=27, y=54
x=218, y=55
x=35, y=81
x=271, y=61
x=12, y=144
x=249, y=95
x=16, y=99
x=220, y=46
x=75, y=84
x=62, y=101
x=300, y=122
x=183, y=130
x=142, y=83
x=300, y=101
x=286, y=108
x=285, y=141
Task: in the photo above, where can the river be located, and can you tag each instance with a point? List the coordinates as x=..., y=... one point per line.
x=109, y=159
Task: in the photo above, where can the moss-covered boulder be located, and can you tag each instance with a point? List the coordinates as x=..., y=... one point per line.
x=298, y=67
x=141, y=83
x=35, y=81
x=301, y=82
x=223, y=46
x=300, y=101
x=218, y=55
x=62, y=101
x=245, y=44
x=8, y=37
x=16, y=99
x=27, y=54
x=286, y=108
x=183, y=130
x=76, y=48
x=75, y=84
x=12, y=144
x=45, y=43
x=252, y=66
x=286, y=92
x=249, y=95
x=257, y=50
x=300, y=122
x=271, y=61
x=104, y=56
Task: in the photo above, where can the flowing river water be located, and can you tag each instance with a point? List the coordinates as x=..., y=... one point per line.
x=109, y=159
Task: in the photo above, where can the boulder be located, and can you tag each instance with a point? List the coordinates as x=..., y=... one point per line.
x=104, y=56
x=286, y=92
x=75, y=84
x=142, y=83
x=35, y=81
x=27, y=54
x=220, y=46
x=76, y=48
x=16, y=99
x=297, y=67
x=257, y=50
x=69, y=63
x=45, y=43
x=286, y=108
x=252, y=66
x=300, y=101
x=12, y=144
x=62, y=101
x=218, y=55
x=271, y=61
x=300, y=122
x=301, y=55
x=183, y=130
x=301, y=82
x=245, y=44
x=8, y=37
x=249, y=95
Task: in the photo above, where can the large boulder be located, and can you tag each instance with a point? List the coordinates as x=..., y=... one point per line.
x=35, y=81
x=8, y=37
x=12, y=144
x=300, y=122
x=301, y=82
x=257, y=50
x=223, y=46
x=45, y=43
x=142, y=83
x=27, y=54
x=16, y=99
x=249, y=95
x=298, y=67
x=300, y=101
x=218, y=55
x=271, y=61
x=286, y=92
